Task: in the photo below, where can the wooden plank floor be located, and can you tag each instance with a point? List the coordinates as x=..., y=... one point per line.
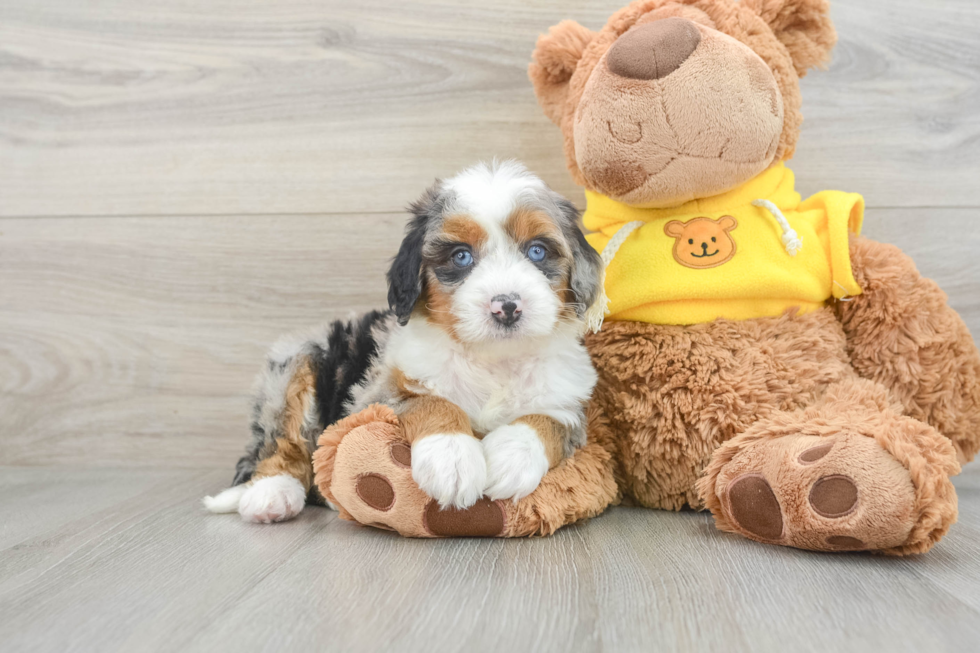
x=119, y=560
x=181, y=182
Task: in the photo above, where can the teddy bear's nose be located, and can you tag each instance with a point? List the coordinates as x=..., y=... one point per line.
x=653, y=50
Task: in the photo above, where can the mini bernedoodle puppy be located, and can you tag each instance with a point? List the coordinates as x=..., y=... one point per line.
x=481, y=355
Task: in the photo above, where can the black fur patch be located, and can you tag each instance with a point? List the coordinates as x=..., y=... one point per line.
x=343, y=364
x=405, y=279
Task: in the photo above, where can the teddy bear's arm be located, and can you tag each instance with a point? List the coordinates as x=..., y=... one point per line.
x=901, y=333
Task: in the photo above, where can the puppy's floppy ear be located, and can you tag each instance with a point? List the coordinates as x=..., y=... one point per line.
x=586, y=276
x=803, y=26
x=405, y=273
x=555, y=58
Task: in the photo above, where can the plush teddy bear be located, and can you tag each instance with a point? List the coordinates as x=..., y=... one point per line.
x=759, y=358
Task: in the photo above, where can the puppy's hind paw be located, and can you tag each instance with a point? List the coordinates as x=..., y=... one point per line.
x=272, y=499
x=450, y=468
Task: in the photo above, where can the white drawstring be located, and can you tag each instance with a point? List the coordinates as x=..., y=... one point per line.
x=791, y=240
x=600, y=307
x=609, y=251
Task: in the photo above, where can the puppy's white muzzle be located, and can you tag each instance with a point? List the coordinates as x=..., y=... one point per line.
x=506, y=296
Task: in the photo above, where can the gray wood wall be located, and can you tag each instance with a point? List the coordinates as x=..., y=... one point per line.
x=180, y=182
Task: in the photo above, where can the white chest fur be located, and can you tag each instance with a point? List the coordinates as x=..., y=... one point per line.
x=496, y=384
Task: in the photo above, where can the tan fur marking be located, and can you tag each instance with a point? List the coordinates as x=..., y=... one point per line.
x=564, y=294
x=551, y=433
x=439, y=305
x=464, y=229
x=524, y=224
x=292, y=455
x=429, y=415
x=405, y=387
x=426, y=414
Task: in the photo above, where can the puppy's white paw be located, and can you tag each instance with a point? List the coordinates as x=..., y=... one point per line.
x=271, y=499
x=516, y=461
x=450, y=468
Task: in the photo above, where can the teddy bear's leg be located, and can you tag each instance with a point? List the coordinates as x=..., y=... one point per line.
x=673, y=394
x=902, y=334
x=849, y=473
x=363, y=467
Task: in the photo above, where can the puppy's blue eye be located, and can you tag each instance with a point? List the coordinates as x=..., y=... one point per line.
x=536, y=253
x=463, y=259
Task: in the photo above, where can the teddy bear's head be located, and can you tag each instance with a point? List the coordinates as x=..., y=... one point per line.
x=678, y=99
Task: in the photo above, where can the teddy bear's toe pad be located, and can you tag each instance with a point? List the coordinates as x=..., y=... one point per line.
x=376, y=491
x=831, y=493
x=754, y=506
x=485, y=518
x=833, y=496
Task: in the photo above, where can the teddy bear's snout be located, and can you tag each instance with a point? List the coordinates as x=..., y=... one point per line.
x=654, y=50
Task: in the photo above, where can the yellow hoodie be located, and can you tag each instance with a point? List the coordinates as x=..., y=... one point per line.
x=732, y=255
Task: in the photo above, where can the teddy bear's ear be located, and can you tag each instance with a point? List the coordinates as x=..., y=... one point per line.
x=555, y=58
x=674, y=228
x=727, y=222
x=803, y=26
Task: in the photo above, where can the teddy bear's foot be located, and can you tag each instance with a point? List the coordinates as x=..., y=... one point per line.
x=364, y=467
x=849, y=474
x=363, y=464
x=840, y=491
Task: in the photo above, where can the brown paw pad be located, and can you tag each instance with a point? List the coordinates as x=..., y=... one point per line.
x=754, y=506
x=813, y=454
x=833, y=496
x=401, y=453
x=845, y=542
x=485, y=518
x=376, y=491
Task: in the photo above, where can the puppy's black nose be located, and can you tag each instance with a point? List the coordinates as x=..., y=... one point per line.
x=506, y=309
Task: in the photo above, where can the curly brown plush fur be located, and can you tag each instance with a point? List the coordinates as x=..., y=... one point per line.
x=673, y=394
x=902, y=334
